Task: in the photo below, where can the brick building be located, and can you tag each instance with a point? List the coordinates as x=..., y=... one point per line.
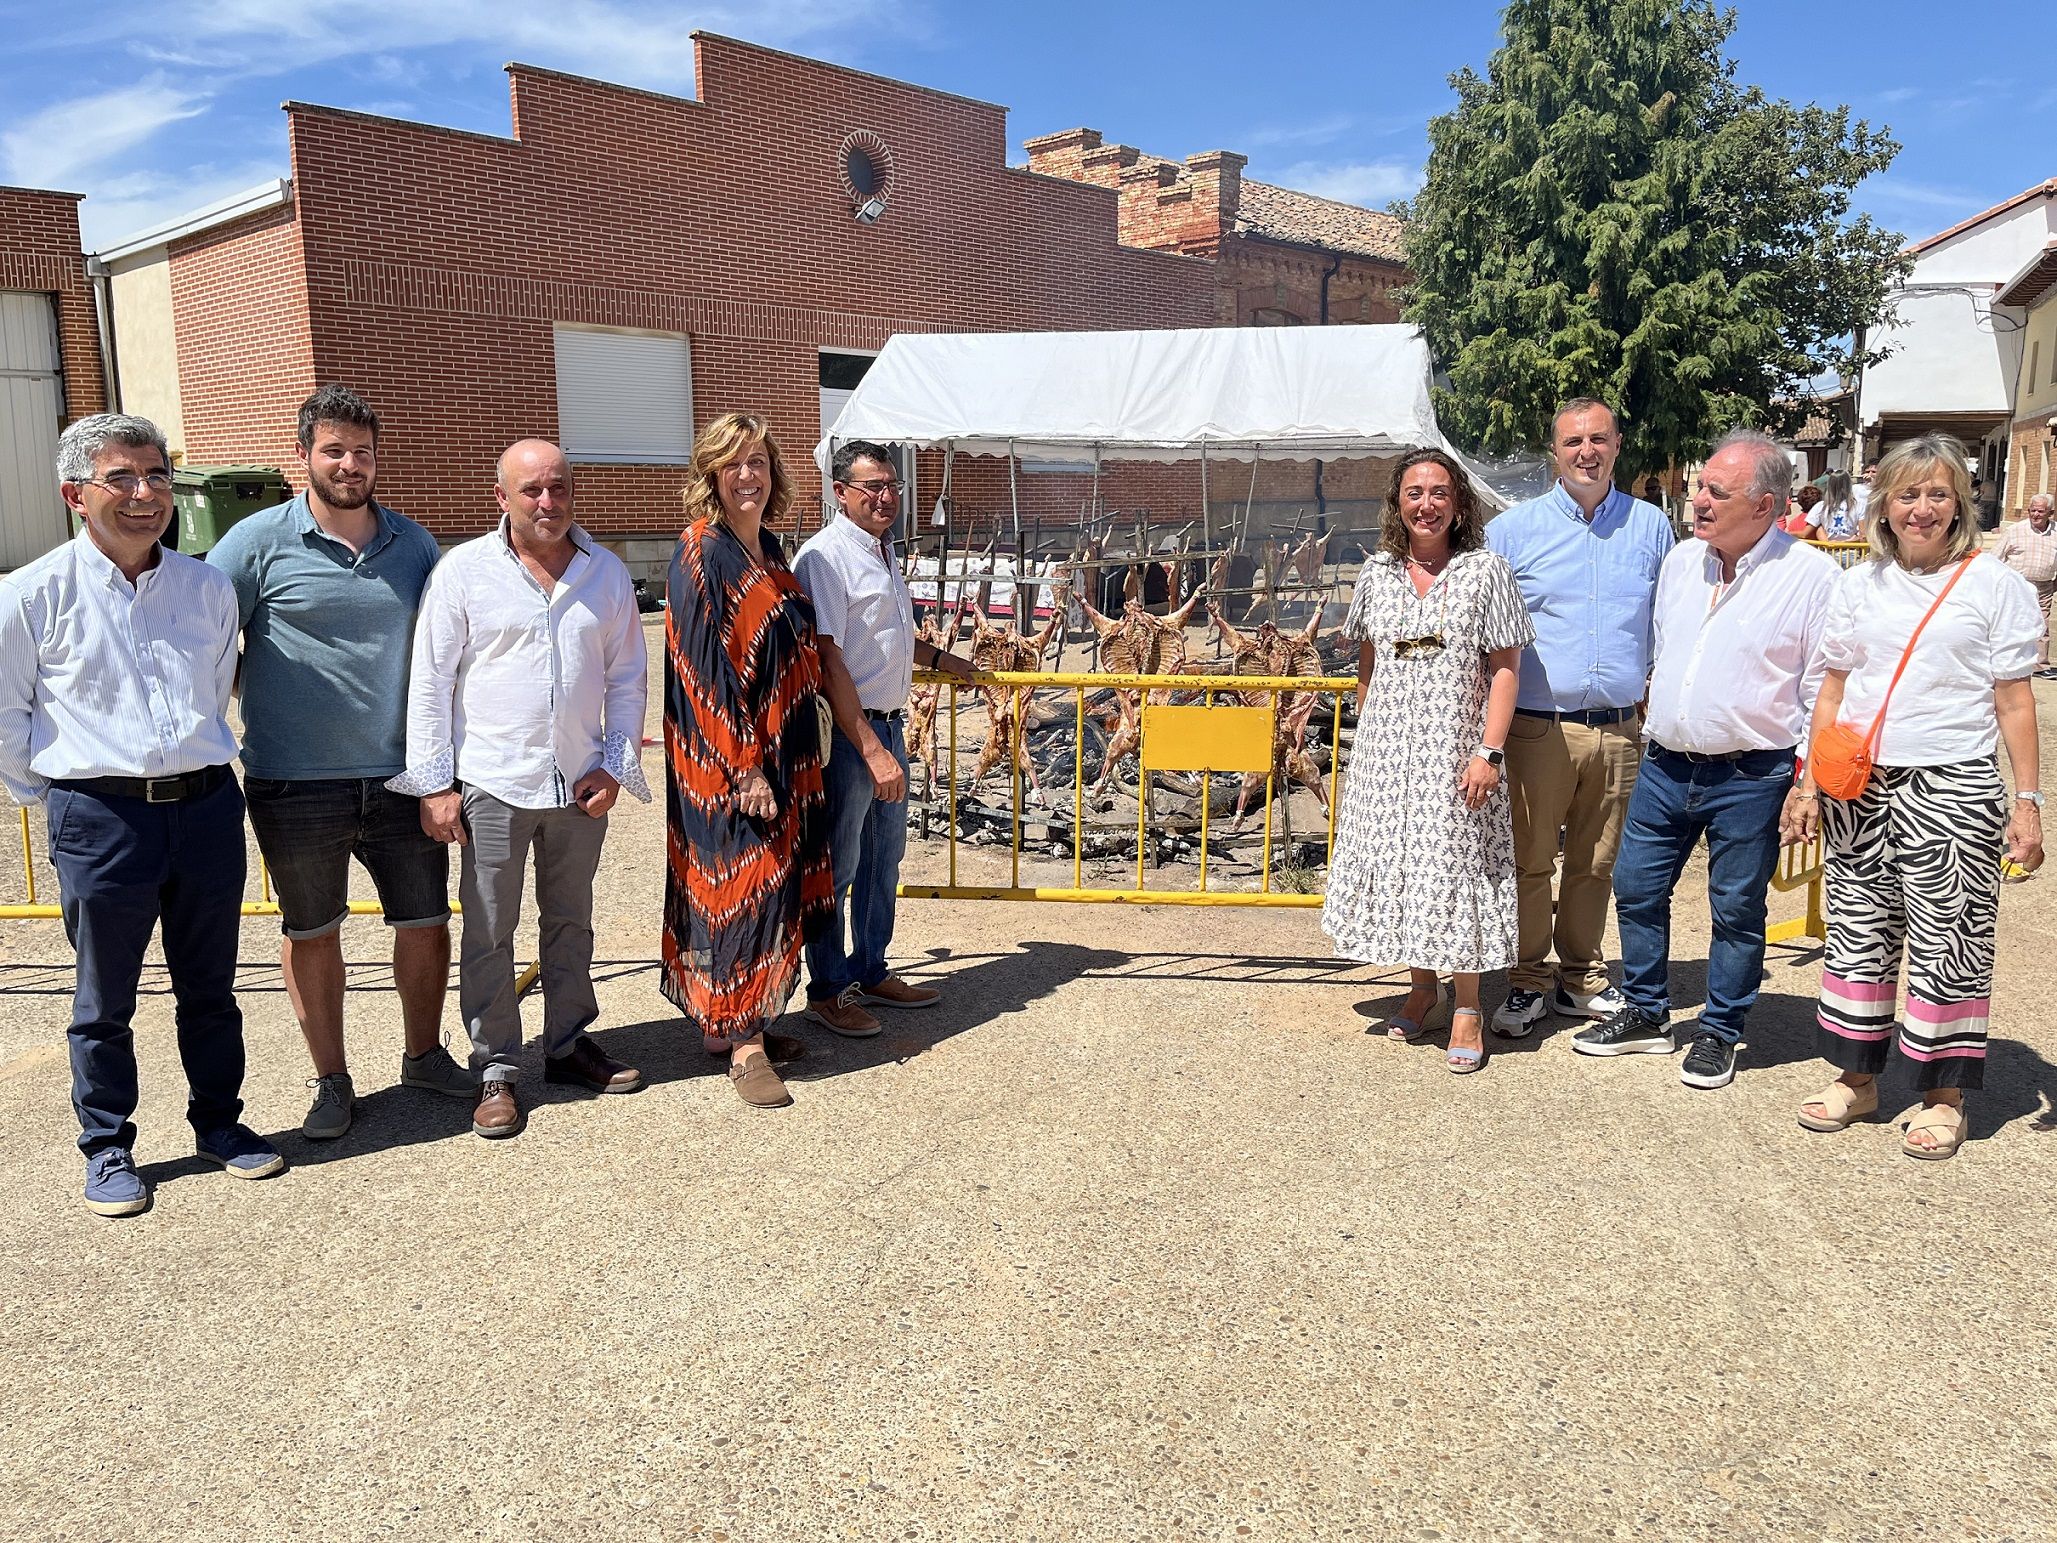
x=626, y=265
x=49, y=362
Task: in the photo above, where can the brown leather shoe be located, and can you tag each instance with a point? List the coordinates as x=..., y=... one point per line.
x=758, y=1085
x=498, y=1111
x=895, y=992
x=840, y=1014
x=587, y=1066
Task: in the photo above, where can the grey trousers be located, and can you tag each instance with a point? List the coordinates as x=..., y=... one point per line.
x=567, y=847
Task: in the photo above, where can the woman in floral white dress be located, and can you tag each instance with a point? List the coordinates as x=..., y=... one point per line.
x=1424, y=864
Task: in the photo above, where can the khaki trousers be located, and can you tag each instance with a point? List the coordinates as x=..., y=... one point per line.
x=1574, y=780
x=2044, y=590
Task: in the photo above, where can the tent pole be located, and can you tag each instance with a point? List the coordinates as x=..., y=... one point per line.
x=1206, y=508
x=1250, y=503
x=1013, y=494
x=943, y=556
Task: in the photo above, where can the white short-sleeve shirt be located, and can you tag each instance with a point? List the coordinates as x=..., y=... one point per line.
x=861, y=602
x=1942, y=711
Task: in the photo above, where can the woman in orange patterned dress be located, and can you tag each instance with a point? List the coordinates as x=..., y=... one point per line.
x=747, y=856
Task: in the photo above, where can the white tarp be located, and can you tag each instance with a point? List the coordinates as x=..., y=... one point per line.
x=1286, y=393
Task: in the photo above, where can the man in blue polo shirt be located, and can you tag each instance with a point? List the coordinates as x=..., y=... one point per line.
x=1586, y=557
x=328, y=586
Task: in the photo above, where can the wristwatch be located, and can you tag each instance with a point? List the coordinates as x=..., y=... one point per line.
x=2031, y=796
x=1491, y=756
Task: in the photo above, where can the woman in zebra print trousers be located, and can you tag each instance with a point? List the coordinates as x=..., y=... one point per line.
x=1913, y=863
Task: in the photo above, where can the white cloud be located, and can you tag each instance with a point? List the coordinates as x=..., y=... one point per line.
x=1373, y=184
x=646, y=45
x=59, y=146
x=128, y=205
x=1319, y=132
x=1900, y=192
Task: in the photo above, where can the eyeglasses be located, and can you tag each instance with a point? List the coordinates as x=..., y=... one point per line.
x=128, y=484
x=878, y=489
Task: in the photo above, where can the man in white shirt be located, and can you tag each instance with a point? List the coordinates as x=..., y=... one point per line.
x=116, y=662
x=864, y=624
x=524, y=723
x=2030, y=549
x=1739, y=617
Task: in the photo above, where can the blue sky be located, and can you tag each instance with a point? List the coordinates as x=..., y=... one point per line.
x=154, y=109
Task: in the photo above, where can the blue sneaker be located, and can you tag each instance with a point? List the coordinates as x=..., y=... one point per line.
x=113, y=1187
x=240, y=1151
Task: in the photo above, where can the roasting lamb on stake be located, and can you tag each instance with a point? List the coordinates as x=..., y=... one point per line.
x=1004, y=648
x=1138, y=644
x=1267, y=651
x=922, y=701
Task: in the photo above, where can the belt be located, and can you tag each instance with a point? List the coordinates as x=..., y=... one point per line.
x=1716, y=757
x=888, y=715
x=1591, y=717
x=152, y=790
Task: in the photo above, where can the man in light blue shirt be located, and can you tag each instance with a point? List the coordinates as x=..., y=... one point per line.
x=327, y=587
x=1586, y=557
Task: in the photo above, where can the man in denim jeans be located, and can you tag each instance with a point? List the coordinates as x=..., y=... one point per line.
x=864, y=624
x=1739, y=616
x=328, y=586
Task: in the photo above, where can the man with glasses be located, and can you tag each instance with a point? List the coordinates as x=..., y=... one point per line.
x=864, y=623
x=327, y=587
x=1586, y=557
x=116, y=662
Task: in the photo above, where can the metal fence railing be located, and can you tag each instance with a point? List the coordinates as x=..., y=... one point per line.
x=1204, y=736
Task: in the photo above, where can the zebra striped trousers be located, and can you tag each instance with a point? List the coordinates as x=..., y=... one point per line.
x=1913, y=867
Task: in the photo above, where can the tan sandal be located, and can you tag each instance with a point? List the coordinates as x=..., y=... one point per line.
x=1941, y=1123
x=1844, y=1104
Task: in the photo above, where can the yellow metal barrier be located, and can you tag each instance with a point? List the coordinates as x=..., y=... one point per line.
x=1200, y=737
x=43, y=911
x=1799, y=867
x=1848, y=554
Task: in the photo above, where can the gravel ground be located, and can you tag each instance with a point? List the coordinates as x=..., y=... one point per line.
x=1138, y=1235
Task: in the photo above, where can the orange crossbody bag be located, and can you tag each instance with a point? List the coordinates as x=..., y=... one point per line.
x=1840, y=757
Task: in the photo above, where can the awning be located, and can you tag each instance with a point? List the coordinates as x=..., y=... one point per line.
x=1279, y=393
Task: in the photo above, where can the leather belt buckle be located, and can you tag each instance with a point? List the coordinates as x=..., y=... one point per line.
x=174, y=789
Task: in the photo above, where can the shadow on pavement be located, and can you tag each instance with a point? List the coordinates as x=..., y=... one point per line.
x=977, y=988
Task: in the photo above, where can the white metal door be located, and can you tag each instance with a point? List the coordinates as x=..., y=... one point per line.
x=32, y=518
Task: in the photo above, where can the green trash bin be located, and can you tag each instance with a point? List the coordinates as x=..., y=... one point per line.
x=209, y=499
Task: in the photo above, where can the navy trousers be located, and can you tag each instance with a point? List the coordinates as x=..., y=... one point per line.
x=123, y=866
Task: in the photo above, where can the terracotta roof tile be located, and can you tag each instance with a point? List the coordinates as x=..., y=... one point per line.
x=1284, y=215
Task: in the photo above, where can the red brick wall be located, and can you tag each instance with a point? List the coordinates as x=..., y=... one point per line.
x=436, y=262
x=40, y=251
x=239, y=308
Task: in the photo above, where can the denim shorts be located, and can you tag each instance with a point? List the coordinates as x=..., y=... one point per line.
x=308, y=832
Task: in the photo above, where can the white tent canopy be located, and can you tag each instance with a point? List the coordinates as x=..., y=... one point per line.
x=1282, y=393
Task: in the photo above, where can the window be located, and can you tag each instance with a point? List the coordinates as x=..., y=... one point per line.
x=624, y=397
x=2035, y=363
x=1273, y=316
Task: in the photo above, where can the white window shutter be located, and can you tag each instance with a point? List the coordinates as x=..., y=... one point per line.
x=624, y=397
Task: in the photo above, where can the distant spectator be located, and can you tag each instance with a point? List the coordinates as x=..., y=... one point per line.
x=2030, y=549
x=1840, y=514
x=1799, y=515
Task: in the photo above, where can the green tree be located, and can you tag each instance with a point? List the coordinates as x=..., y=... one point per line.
x=1609, y=213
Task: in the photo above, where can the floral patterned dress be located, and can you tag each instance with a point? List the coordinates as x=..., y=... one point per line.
x=1418, y=879
x=741, y=894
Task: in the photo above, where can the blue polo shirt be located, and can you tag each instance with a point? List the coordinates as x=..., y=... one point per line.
x=1590, y=586
x=327, y=636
